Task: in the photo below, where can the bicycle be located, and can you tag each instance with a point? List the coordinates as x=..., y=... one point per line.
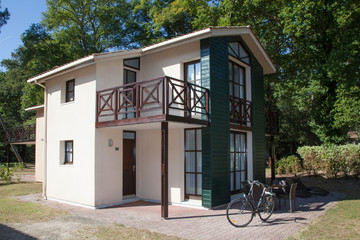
x=240, y=212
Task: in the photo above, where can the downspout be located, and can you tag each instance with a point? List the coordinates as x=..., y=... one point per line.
x=44, y=141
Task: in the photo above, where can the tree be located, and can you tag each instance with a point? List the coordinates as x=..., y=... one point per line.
x=88, y=26
x=4, y=16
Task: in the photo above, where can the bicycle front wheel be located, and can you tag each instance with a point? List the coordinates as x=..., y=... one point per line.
x=267, y=208
x=240, y=212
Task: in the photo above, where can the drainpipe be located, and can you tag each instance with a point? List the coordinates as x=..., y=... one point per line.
x=44, y=140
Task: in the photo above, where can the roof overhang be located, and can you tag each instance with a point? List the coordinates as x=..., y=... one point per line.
x=245, y=32
x=34, y=108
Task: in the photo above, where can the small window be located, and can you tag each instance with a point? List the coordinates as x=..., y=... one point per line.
x=69, y=152
x=132, y=63
x=70, y=91
x=237, y=50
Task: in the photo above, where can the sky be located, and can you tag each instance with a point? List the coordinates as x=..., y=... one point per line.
x=23, y=13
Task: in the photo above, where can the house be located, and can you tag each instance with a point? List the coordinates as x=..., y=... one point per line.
x=180, y=121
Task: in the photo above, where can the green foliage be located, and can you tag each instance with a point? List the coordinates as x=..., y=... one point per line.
x=288, y=165
x=332, y=159
x=4, y=16
x=7, y=171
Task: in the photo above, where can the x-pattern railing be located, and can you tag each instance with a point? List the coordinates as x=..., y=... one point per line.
x=241, y=111
x=24, y=133
x=159, y=96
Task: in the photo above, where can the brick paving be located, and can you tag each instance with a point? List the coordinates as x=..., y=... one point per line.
x=192, y=223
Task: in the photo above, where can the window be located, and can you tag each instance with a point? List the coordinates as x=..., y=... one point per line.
x=70, y=91
x=238, y=51
x=193, y=75
x=132, y=63
x=129, y=97
x=69, y=152
x=238, y=161
x=237, y=81
x=193, y=162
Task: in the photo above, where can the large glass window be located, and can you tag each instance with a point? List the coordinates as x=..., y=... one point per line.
x=129, y=95
x=238, y=161
x=193, y=162
x=237, y=81
x=193, y=75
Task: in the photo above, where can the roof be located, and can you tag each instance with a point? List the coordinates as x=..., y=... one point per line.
x=34, y=108
x=247, y=34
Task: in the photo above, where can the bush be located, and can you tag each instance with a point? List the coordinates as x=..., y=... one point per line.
x=288, y=165
x=7, y=172
x=332, y=159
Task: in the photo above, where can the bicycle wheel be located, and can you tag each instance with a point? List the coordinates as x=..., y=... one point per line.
x=267, y=208
x=240, y=212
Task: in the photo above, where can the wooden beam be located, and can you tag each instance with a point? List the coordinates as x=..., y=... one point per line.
x=272, y=163
x=164, y=171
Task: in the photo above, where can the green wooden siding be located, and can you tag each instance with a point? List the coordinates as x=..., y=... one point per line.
x=216, y=166
x=259, y=147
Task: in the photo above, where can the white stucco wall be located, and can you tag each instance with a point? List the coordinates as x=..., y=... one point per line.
x=71, y=121
x=39, y=145
x=149, y=164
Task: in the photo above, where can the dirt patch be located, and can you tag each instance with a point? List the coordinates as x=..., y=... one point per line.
x=60, y=228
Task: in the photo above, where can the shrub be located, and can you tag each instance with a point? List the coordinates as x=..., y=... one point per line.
x=7, y=172
x=332, y=159
x=288, y=165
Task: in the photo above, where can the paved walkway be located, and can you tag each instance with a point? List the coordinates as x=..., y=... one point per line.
x=191, y=223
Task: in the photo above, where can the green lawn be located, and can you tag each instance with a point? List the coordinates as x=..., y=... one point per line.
x=340, y=222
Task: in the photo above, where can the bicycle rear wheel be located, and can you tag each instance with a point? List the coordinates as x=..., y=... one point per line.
x=240, y=212
x=267, y=208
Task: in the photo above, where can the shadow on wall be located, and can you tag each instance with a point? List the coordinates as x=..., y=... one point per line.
x=10, y=233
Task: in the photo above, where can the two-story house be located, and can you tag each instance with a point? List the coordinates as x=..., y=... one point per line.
x=180, y=121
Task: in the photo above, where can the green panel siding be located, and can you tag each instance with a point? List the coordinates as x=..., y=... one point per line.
x=258, y=120
x=216, y=166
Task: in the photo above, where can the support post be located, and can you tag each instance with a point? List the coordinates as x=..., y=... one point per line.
x=8, y=153
x=272, y=163
x=164, y=171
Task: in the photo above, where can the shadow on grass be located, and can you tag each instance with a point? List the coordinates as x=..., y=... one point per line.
x=11, y=233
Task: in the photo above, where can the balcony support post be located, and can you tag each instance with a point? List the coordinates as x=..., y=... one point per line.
x=164, y=171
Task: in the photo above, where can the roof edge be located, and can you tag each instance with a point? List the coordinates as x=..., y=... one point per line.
x=34, y=108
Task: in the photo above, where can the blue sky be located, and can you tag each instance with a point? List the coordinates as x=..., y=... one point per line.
x=22, y=14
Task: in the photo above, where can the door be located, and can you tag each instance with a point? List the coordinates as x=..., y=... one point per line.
x=129, y=163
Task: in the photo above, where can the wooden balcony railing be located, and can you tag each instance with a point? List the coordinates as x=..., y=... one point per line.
x=271, y=122
x=240, y=111
x=159, y=99
x=21, y=134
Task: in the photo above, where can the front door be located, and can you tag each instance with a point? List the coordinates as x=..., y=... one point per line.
x=129, y=163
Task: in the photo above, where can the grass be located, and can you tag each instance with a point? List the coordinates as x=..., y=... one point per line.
x=13, y=210
x=340, y=222
x=118, y=231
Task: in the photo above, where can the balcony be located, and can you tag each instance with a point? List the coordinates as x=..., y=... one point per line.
x=161, y=99
x=271, y=122
x=240, y=112
x=21, y=135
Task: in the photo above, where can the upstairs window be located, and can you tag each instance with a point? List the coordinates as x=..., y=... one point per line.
x=69, y=150
x=132, y=63
x=70, y=91
x=238, y=51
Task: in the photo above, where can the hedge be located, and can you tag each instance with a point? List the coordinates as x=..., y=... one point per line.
x=333, y=159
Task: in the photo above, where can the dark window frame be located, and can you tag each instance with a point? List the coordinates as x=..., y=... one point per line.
x=236, y=55
x=129, y=66
x=234, y=83
x=197, y=81
x=67, y=91
x=196, y=172
x=241, y=171
x=66, y=160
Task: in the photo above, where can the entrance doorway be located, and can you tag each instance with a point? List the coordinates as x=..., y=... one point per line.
x=129, y=163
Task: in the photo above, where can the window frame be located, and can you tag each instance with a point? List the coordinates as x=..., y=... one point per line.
x=196, y=172
x=67, y=90
x=237, y=55
x=241, y=171
x=129, y=66
x=66, y=160
x=233, y=82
